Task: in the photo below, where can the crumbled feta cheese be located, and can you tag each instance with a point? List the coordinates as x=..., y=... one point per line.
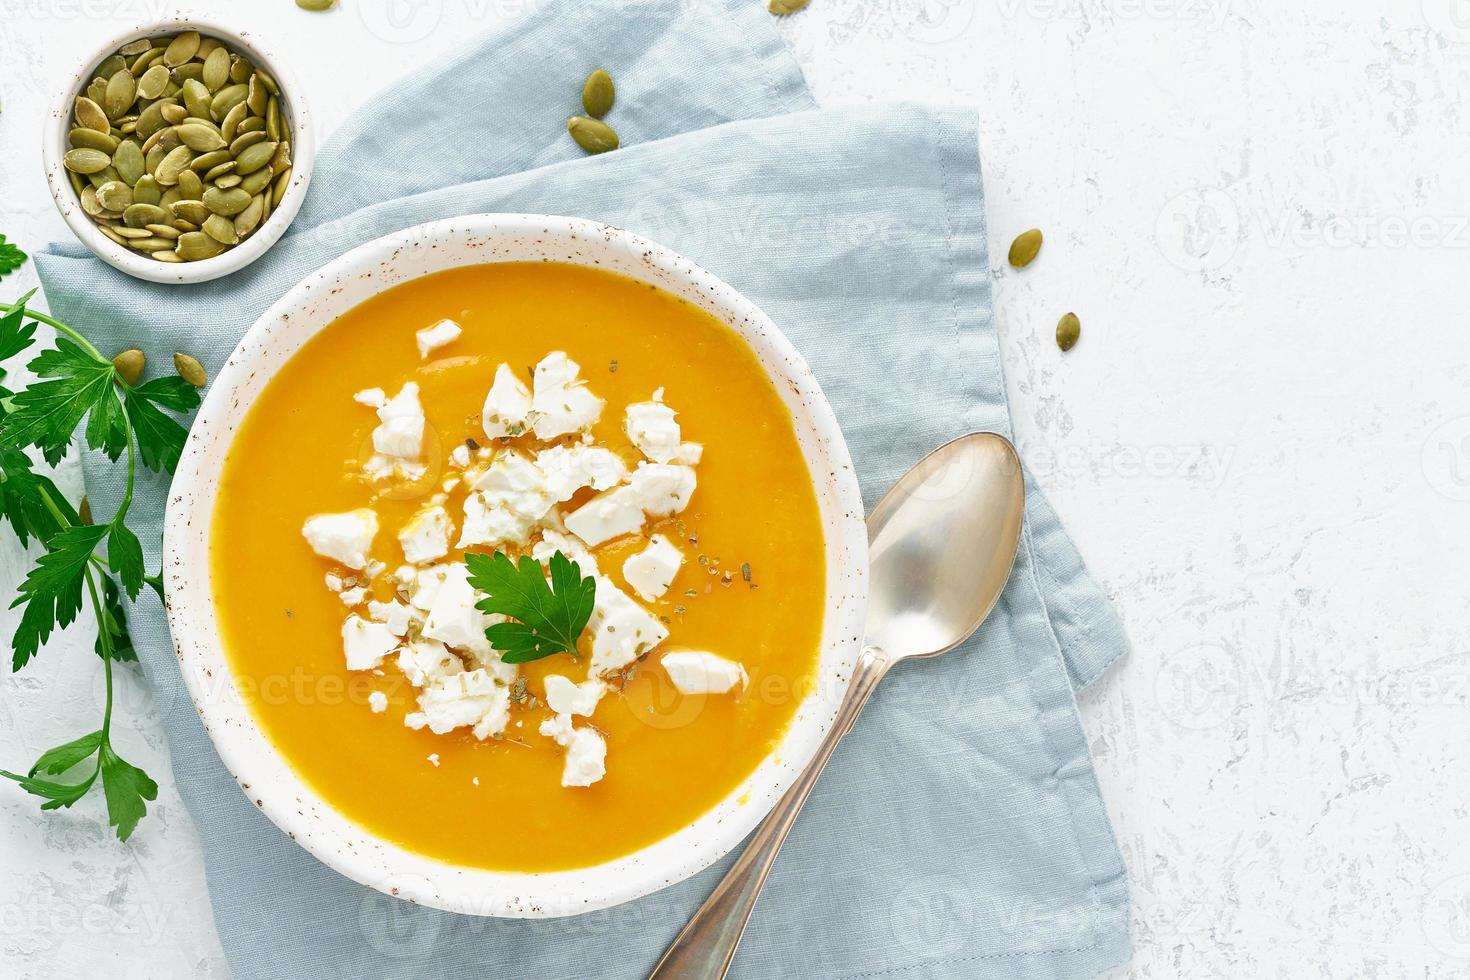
x=662, y=489
x=560, y=404
x=392, y=614
x=373, y=569
x=509, y=500
x=366, y=643
x=371, y=397
x=424, y=660
x=568, y=469
x=433, y=758
x=469, y=698
x=565, y=697
x=690, y=453
x=553, y=541
x=425, y=585
x=353, y=597
x=622, y=630
x=652, y=570
x=378, y=701
x=651, y=427
x=344, y=538
x=460, y=456
x=401, y=432
x=334, y=582
x=606, y=516
x=586, y=759
x=453, y=618
x=697, y=672
x=426, y=535
x=440, y=334
x=506, y=406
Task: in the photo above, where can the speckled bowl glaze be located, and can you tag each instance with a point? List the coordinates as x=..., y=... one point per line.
x=303, y=152
x=266, y=775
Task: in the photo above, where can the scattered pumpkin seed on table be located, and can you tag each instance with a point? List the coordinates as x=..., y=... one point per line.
x=592, y=135
x=190, y=370
x=1025, y=247
x=598, y=94
x=1069, y=328
x=172, y=133
x=783, y=8
x=130, y=364
x=317, y=5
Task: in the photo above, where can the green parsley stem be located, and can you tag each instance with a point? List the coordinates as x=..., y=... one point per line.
x=104, y=639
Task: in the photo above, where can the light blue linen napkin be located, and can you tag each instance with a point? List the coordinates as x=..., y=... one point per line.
x=959, y=832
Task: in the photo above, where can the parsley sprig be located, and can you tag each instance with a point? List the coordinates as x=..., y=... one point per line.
x=551, y=617
x=84, y=563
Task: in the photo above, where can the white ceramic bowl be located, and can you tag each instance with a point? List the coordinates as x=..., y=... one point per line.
x=266, y=775
x=303, y=150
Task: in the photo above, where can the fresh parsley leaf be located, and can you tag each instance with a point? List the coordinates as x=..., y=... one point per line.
x=126, y=787
x=11, y=258
x=551, y=617
x=160, y=437
x=56, y=761
x=23, y=497
x=55, y=794
x=52, y=592
x=46, y=413
x=125, y=555
x=115, y=624
x=15, y=334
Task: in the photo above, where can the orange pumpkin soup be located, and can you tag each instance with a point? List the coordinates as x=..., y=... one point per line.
x=750, y=588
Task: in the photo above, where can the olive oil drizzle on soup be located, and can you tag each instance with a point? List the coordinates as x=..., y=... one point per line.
x=751, y=587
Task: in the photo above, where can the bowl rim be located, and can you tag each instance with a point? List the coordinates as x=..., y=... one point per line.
x=303, y=155
x=262, y=770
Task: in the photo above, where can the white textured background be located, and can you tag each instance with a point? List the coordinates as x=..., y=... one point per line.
x=1261, y=213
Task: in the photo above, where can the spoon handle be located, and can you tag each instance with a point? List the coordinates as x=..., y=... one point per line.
x=706, y=945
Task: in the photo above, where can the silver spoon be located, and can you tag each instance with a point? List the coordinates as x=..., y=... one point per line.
x=941, y=544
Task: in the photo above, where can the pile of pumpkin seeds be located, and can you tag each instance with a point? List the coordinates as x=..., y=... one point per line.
x=181, y=148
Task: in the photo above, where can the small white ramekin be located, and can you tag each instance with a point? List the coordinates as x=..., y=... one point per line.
x=303, y=150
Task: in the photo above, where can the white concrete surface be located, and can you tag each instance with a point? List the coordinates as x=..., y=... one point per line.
x=1261, y=213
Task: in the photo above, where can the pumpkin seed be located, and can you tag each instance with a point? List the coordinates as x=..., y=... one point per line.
x=181, y=48
x=232, y=119
x=278, y=189
x=227, y=181
x=247, y=139
x=137, y=47
x=249, y=124
x=142, y=215
x=85, y=160
x=216, y=69
x=207, y=161
x=282, y=159
x=192, y=70
x=226, y=201
x=110, y=233
x=268, y=82
x=164, y=231
x=111, y=65
x=169, y=198
x=256, y=96
x=153, y=82
x=201, y=138
x=222, y=229
x=1069, y=328
x=152, y=158
x=197, y=98
x=146, y=190
x=215, y=173
x=173, y=113
x=784, y=8
x=207, y=47
x=592, y=135
x=273, y=118
x=150, y=244
x=190, y=370
x=122, y=89
x=90, y=115
x=102, y=176
x=1024, y=248
x=89, y=201
x=130, y=364
x=129, y=162
x=165, y=256
x=240, y=69
x=144, y=61
x=131, y=233
x=597, y=94
x=150, y=120
x=78, y=182
x=253, y=157
x=226, y=99
x=168, y=170
x=91, y=139
x=247, y=220
x=192, y=211
x=258, y=181
x=115, y=196
x=316, y=6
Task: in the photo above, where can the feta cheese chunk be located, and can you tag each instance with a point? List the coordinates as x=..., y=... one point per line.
x=586, y=759
x=652, y=570
x=378, y=701
x=608, y=515
x=353, y=597
x=440, y=334
x=366, y=643
x=392, y=614
x=424, y=584
x=690, y=453
x=400, y=433
x=506, y=406
x=568, y=469
x=662, y=489
x=507, y=503
x=697, y=672
x=371, y=397
x=460, y=456
x=560, y=404
x=622, y=630
x=453, y=619
x=565, y=697
x=651, y=427
x=343, y=538
x=423, y=661
x=426, y=535
x=472, y=698
x=553, y=541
